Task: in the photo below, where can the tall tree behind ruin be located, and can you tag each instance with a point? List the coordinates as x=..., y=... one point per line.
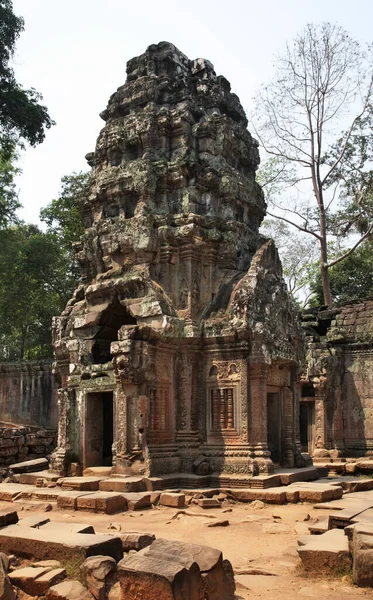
x=322, y=85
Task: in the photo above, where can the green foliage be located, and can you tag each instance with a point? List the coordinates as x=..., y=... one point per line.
x=34, y=286
x=38, y=274
x=350, y=279
x=8, y=196
x=22, y=117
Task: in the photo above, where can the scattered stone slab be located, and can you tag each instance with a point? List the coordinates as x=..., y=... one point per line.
x=174, y=500
x=71, y=527
x=327, y=551
x=123, y=484
x=86, y=484
x=362, y=547
x=10, y=492
x=316, y=492
x=31, y=478
x=28, y=466
x=342, y=518
x=25, y=578
x=53, y=564
x=35, y=521
x=102, y=502
x=137, y=501
x=358, y=485
x=99, y=574
x=38, y=544
x=270, y=495
x=44, y=582
x=155, y=578
x=136, y=541
x=209, y=503
x=8, y=517
x=275, y=528
x=68, y=590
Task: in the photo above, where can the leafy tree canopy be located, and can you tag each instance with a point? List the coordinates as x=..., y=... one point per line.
x=22, y=116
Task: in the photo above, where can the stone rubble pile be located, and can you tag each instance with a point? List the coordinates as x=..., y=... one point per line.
x=25, y=443
x=124, y=566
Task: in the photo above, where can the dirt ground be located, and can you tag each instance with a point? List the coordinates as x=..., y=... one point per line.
x=263, y=538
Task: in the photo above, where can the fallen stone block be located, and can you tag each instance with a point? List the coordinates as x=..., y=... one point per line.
x=270, y=495
x=319, y=527
x=10, y=492
x=153, y=578
x=8, y=517
x=28, y=466
x=86, y=484
x=99, y=575
x=38, y=544
x=36, y=580
x=175, y=500
x=44, y=582
x=102, y=502
x=136, y=541
x=318, y=493
x=68, y=590
x=209, y=503
x=137, y=501
x=289, y=476
x=362, y=549
x=265, y=481
x=24, y=578
x=68, y=500
x=123, y=484
x=32, y=478
x=218, y=579
x=327, y=551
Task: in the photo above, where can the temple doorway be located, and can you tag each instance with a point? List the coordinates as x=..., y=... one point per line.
x=274, y=426
x=307, y=425
x=98, y=430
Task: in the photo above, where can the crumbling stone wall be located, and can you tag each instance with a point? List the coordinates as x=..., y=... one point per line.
x=340, y=369
x=28, y=394
x=25, y=443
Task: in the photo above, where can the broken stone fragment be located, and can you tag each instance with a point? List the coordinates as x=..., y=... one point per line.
x=68, y=590
x=99, y=574
x=174, y=500
x=6, y=588
x=154, y=578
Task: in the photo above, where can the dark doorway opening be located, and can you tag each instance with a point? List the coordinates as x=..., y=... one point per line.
x=99, y=426
x=274, y=426
x=307, y=425
x=111, y=320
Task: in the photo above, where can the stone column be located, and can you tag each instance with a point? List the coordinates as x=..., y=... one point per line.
x=60, y=457
x=258, y=374
x=320, y=387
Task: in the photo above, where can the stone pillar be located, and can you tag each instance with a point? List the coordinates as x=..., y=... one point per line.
x=320, y=387
x=288, y=416
x=258, y=374
x=61, y=456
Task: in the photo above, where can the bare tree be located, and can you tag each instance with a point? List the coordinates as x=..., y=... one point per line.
x=323, y=84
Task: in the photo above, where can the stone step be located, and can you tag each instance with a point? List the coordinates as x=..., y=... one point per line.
x=45, y=544
x=263, y=482
x=87, y=484
x=326, y=551
x=315, y=492
x=102, y=472
x=31, y=478
x=270, y=495
x=340, y=519
x=289, y=476
x=98, y=502
x=123, y=484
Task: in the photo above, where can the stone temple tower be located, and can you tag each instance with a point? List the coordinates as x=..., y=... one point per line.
x=179, y=350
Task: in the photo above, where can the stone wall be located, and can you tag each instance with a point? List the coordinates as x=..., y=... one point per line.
x=25, y=443
x=340, y=371
x=28, y=394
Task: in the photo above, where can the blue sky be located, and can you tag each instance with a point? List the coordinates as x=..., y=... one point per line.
x=75, y=52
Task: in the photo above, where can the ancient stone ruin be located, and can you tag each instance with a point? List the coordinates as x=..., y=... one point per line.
x=179, y=350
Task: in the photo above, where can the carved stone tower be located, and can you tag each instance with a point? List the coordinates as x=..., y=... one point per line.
x=179, y=349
